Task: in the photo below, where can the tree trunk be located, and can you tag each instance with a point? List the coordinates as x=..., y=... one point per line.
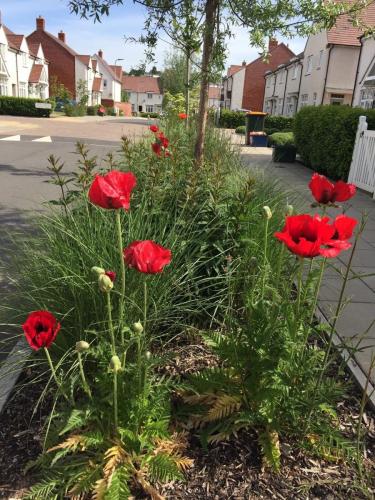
x=208, y=45
x=187, y=97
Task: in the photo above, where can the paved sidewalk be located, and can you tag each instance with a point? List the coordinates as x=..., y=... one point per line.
x=356, y=325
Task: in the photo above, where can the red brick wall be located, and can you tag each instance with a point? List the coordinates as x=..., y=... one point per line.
x=125, y=107
x=61, y=62
x=253, y=93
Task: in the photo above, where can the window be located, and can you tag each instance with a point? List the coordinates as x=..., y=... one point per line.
x=24, y=59
x=337, y=99
x=309, y=65
x=295, y=72
x=320, y=59
x=315, y=97
x=290, y=107
x=149, y=96
x=3, y=86
x=22, y=90
x=280, y=106
x=133, y=108
x=129, y=94
x=149, y=108
x=281, y=78
x=304, y=100
x=367, y=99
x=105, y=83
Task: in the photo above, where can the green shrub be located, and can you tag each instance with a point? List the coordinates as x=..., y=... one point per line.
x=22, y=106
x=281, y=139
x=274, y=124
x=110, y=111
x=92, y=110
x=74, y=110
x=241, y=130
x=149, y=115
x=231, y=119
x=325, y=137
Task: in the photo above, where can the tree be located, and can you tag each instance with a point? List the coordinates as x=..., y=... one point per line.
x=173, y=77
x=214, y=20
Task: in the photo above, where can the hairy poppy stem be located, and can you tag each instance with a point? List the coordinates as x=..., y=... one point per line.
x=317, y=289
x=110, y=324
x=265, y=259
x=299, y=285
x=115, y=401
x=54, y=373
x=82, y=373
x=122, y=268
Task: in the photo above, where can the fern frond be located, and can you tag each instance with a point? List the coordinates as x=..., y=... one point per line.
x=43, y=489
x=119, y=488
x=270, y=444
x=206, y=399
x=183, y=463
x=114, y=457
x=76, y=420
x=84, y=483
x=162, y=467
x=147, y=487
x=99, y=489
x=70, y=444
x=224, y=406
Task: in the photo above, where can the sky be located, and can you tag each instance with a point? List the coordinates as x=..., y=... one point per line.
x=87, y=37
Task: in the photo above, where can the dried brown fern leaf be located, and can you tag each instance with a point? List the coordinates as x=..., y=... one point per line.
x=224, y=406
x=71, y=443
x=147, y=487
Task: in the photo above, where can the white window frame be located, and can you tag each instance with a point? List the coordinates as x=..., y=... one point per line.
x=304, y=100
x=150, y=95
x=280, y=103
x=337, y=99
x=149, y=108
x=309, y=66
x=22, y=89
x=367, y=98
x=3, y=85
x=320, y=59
x=24, y=59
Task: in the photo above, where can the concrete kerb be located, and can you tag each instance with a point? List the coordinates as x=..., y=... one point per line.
x=11, y=369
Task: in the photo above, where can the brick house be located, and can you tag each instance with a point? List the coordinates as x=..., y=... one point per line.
x=145, y=95
x=254, y=83
x=23, y=67
x=65, y=65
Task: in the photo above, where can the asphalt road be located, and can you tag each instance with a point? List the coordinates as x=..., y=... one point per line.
x=23, y=188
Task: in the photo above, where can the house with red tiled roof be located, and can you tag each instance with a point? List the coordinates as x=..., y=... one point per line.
x=144, y=93
x=111, y=81
x=232, y=87
x=23, y=66
x=331, y=62
x=214, y=96
x=66, y=66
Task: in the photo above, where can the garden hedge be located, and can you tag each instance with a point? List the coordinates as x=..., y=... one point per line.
x=21, y=106
x=231, y=119
x=325, y=137
x=272, y=124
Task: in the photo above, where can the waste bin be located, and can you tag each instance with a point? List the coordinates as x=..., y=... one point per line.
x=255, y=123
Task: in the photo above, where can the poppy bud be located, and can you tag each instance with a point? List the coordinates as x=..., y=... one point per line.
x=98, y=270
x=115, y=364
x=253, y=262
x=148, y=355
x=138, y=328
x=267, y=212
x=105, y=283
x=82, y=346
x=289, y=210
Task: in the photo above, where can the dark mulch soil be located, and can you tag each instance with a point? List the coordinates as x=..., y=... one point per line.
x=229, y=470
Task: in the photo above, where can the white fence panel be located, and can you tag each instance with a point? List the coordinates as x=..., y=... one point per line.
x=362, y=168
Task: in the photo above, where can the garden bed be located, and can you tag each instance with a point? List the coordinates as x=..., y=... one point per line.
x=229, y=470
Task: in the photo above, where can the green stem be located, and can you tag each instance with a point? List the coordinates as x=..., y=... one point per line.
x=110, y=323
x=115, y=401
x=299, y=286
x=144, y=306
x=317, y=289
x=279, y=263
x=82, y=373
x=54, y=373
x=122, y=268
x=265, y=260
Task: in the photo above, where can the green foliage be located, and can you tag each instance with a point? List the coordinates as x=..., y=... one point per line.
x=124, y=96
x=281, y=139
x=231, y=119
x=274, y=124
x=319, y=130
x=74, y=110
x=149, y=115
x=92, y=110
x=241, y=130
x=173, y=77
x=22, y=106
x=58, y=90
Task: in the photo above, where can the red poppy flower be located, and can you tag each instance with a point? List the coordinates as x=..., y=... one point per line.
x=156, y=148
x=344, y=227
x=111, y=275
x=40, y=328
x=304, y=235
x=163, y=140
x=182, y=116
x=147, y=256
x=154, y=128
x=112, y=190
x=326, y=192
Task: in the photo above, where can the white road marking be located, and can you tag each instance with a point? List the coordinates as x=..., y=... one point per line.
x=11, y=138
x=43, y=139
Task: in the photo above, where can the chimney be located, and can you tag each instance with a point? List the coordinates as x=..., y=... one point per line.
x=272, y=44
x=61, y=36
x=40, y=23
x=100, y=53
x=243, y=63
